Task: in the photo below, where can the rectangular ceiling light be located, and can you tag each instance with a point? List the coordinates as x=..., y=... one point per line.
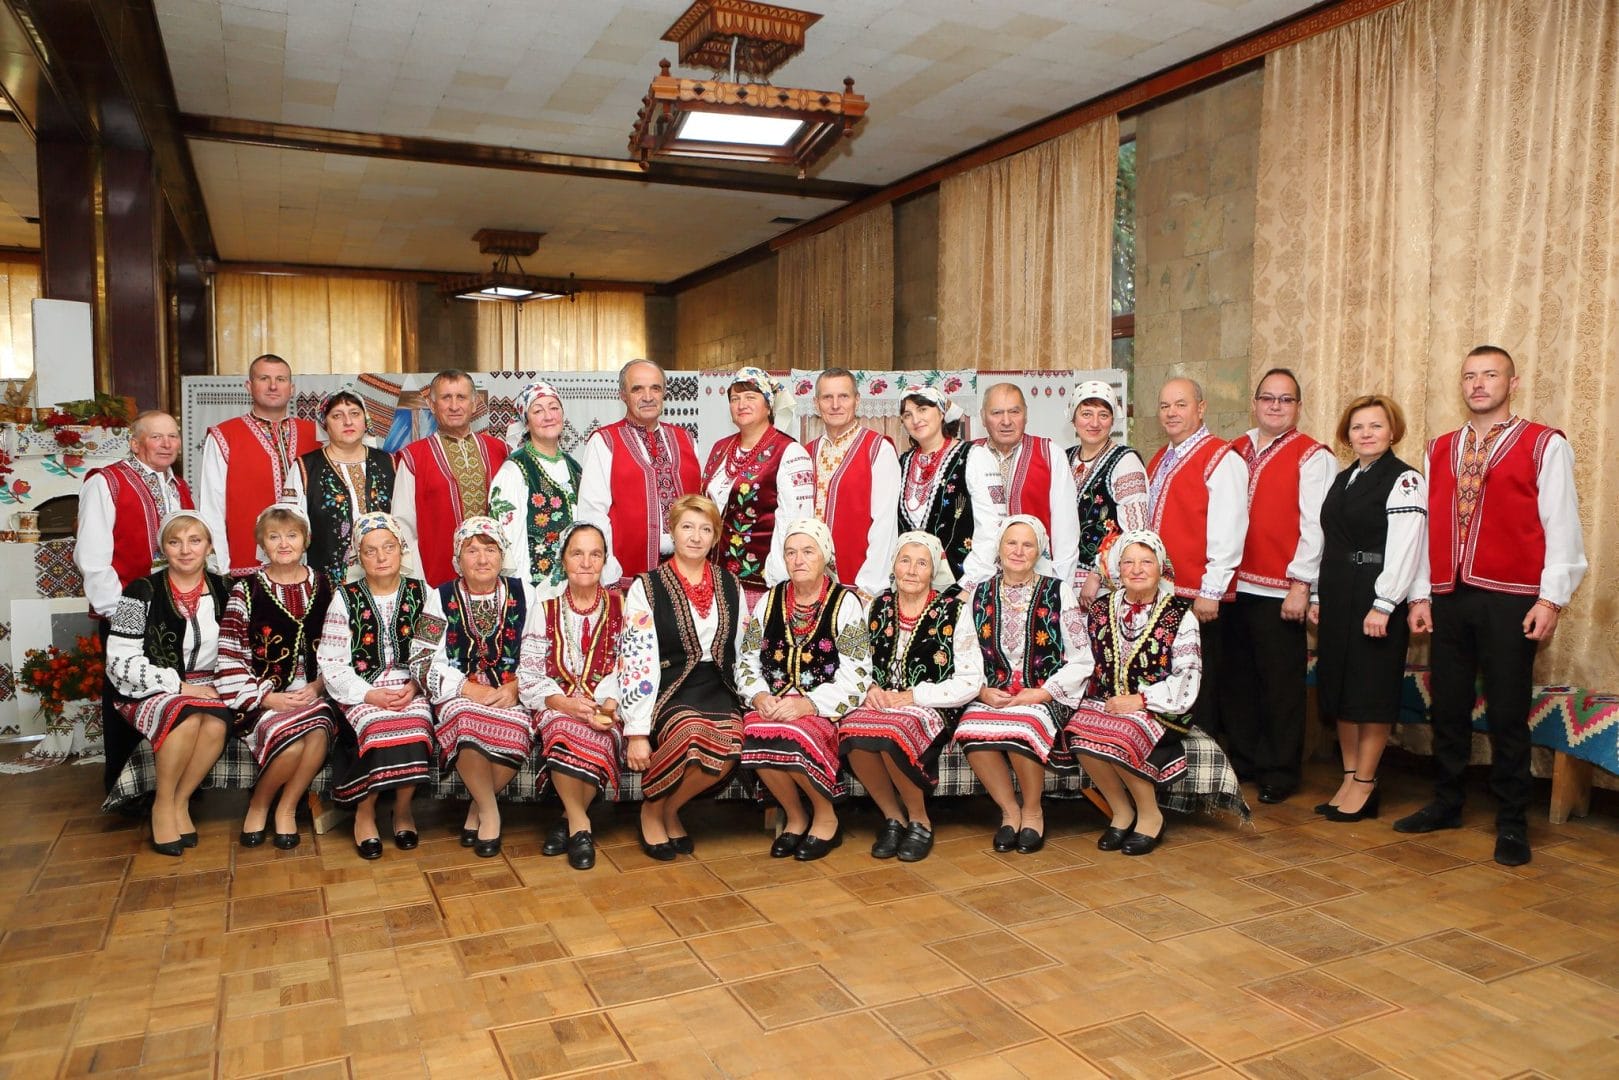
x=739, y=130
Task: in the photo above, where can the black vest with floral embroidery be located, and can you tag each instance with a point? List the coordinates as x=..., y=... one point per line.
x=930, y=656
x=806, y=663
x=276, y=642
x=489, y=659
x=1150, y=664
x=365, y=628
x=1042, y=642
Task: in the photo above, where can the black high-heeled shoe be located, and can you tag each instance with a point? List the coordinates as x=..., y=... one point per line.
x=1142, y=844
x=286, y=841
x=470, y=837
x=171, y=848
x=1368, y=810
x=683, y=845
x=487, y=849
x=663, y=851
x=252, y=839
x=1322, y=808
x=188, y=839
x=1113, y=836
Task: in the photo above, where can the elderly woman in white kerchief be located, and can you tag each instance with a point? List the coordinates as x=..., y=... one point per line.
x=1127, y=731
x=949, y=487
x=536, y=490
x=805, y=662
x=364, y=655
x=469, y=642
x=1030, y=631
x=925, y=666
x=762, y=480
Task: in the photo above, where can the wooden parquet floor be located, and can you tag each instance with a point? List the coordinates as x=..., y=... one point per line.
x=1293, y=949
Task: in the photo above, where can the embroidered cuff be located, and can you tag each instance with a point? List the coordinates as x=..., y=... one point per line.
x=1547, y=603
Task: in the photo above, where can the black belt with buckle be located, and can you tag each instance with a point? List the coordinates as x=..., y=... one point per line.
x=1365, y=558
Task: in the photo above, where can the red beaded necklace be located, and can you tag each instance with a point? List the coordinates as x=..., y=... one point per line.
x=908, y=623
x=701, y=594
x=186, y=599
x=801, y=620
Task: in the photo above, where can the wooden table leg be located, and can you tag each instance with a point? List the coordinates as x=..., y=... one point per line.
x=1098, y=801
x=1571, y=787
x=323, y=812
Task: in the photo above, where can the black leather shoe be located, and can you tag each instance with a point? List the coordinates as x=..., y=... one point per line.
x=1369, y=809
x=406, y=839
x=1274, y=793
x=1029, y=841
x=683, y=845
x=918, y=842
x=470, y=837
x=556, y=841
x=370, y=849
x=172, y=848
x=1511, y=845
x=487, y=849
x=1113, y=836
x=888, y=838
x=252, y=839
x=286, y=841
x=189, y=839
x=785, y=845
x=1321, y=808
x=813, y=847
x=1141, y=844
x=1430, y=818
x=581, y=850
x=1005, y=838
x=663, y=852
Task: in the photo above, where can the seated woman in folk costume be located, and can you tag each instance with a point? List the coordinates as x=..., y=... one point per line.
x=1127, y=731
x=1030, y=630
x=683, y=625
x=950, y=488
x=343, y=481
x=806, y=661
x=468, y=640
x=926, y=665
x=364, y=656
x=535, y=492
x=161, y=652
x=267, y=672
x=762, y=480
x=569, y=676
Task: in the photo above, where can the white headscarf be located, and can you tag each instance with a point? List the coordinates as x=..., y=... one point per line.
x=817, y=531
x=952, y=411
x=943, y=576
x=175, y=515
x=1092, y=390
x=1042, y=564
x=1147, y=539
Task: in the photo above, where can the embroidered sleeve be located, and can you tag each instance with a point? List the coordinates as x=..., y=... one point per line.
x=132, y=674
x=638, y=672
x=1130, y=492
x=750, y=679
x=534, y=683
x=430, y=662
x=1070, y=681
x=507, y=494
x=233, y=674
x=983, y=478
x=1406, y=544
x=335, y=657
x=848, y=686
x=1175, y=695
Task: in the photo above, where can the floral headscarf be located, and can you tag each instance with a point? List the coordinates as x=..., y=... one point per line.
x=1149, y=540
x=779, y=403
x=1042, y=564
x=370, y=523
x=818, y=532
x=486, y=527
x=338, y=397
x=517, y=430
x=943, y=576
x=952, y=411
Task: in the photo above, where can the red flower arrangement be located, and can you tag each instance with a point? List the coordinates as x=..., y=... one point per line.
x=59, y=677
x=5, y=465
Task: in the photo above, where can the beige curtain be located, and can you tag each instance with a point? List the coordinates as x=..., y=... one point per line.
x=835, y=296
x=1026, y=256
x=320, y=325
x=1439, y=175
x=591, y=332
x=19, y=288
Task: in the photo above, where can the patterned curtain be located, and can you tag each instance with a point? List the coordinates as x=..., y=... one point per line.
x=19, y=287
x=1026, y=257
x=594, y=331
x=835, y=296
x=320, y=325
x=1439, y=175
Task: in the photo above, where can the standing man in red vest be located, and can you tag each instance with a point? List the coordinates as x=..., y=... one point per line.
x=120, y=506
x=1505, y=555
x=251, y=461
x=856, y=474
x=1264, y=651
x=442, y=479
x=1035, y=477
x=633, y=470
x=1199, y=494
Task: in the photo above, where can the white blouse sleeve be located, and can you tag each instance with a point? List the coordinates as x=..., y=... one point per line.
x=233, y=675
x=879, y=564
x=847, y=687
x=596, y=498
x=967, y=673
x=1064, y=515
x=1559, y=510
x=1406, y=545
x=211, y=483
x=795, y=499
x=750, y=680
x=508, y=501
x=534, y=684
x=1228, y=524
x=335, y=656
x=1316, y=473
x=983, y=477
x=430, y=662
x=1177, y=694
x=92, y=551
x=1131, y=492
x=638, y=672
x=1069, y=683
x=132, y=673
x=403, y=503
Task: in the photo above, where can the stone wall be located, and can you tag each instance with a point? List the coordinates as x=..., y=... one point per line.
x=728, y=322
x=1197, y=162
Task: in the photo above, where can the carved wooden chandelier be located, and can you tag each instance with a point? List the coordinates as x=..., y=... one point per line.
x=727, y=120
x=501, y=282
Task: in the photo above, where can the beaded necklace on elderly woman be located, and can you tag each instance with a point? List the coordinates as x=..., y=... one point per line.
x=801, y=620
x=1127, y=645
x=483, y=616
x=907, y=623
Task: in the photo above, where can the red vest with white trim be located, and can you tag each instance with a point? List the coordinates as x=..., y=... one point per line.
x=848, y=500
x=438, y=500
x=1273, y=506
x=1030, y=489
x=635, y=514
x=1181, y=514
x=1505, y=549
x=253, y=479
x=135, y=519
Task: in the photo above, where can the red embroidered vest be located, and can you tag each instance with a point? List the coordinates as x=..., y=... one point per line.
x=254, y=479
x=1185, y=529
x=848, y=501
x=1507, y=515
x=1273, y=506
x=636, y=514
x=748, y=518
x=135, y=519
x=438, y=500
x=1030, y=490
